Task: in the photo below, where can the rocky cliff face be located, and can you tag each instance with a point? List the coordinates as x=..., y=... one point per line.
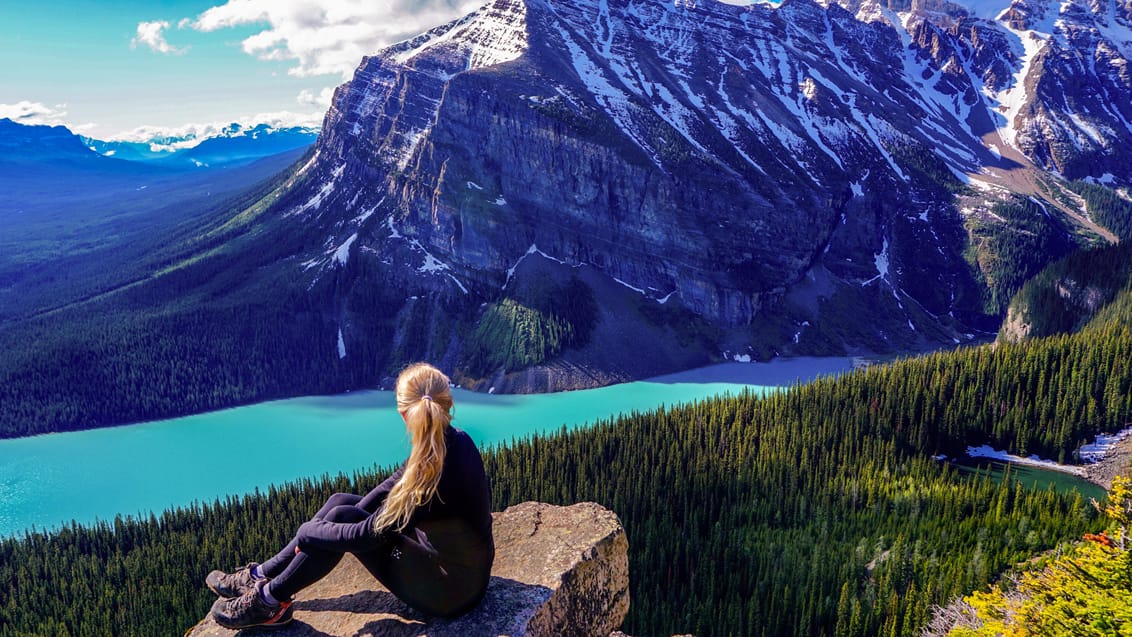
x=807, y=177
x=558, y=572
x=1053, y=77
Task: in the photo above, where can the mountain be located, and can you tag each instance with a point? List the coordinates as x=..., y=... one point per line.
x=77, y=223
x=543, y=196
x=247, y=145
x=127, y=150
x=233, y=144
x=1088, y=290
x=44, y=166
x=21, y=144
x=804, y=178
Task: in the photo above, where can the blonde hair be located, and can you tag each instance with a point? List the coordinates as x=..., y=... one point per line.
x=425, y=399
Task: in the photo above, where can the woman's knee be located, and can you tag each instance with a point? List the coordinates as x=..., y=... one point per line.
x=346, y=513
x=337, y=500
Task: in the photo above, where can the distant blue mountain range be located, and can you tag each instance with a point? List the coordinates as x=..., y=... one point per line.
x=36, y=144
x=51, y=168
x=77, y=222
x=235, y=144
x=57, y=145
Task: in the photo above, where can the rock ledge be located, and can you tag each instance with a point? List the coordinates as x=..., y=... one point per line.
x=559, y=571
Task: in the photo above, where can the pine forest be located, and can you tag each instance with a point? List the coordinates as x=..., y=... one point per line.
x=821, y=510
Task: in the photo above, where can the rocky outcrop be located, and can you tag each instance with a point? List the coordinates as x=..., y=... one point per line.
x=559, y=571
x=1015, y=328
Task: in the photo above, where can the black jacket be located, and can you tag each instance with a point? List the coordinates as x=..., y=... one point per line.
x=462, y=495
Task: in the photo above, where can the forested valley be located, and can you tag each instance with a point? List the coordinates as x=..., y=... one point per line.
x=1084, y=590
x=816, y=511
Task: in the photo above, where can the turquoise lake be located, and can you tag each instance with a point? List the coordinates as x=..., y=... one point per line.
x=47, y=481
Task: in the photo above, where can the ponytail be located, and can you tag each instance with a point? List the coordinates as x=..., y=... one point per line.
x=425, y=399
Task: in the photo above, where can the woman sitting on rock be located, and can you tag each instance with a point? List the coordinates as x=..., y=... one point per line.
x=425, y=533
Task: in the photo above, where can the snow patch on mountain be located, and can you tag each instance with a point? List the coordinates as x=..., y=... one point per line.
x=366, y=214
x=881, y=260
x=327, y=188
x=677, y=115
x=434, y=266
x=612, y=100
x=530, y=251
x=1013, y=99
x=492, y=35
x=342, y=253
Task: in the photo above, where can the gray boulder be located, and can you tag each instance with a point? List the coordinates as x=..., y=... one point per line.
x=559, y=571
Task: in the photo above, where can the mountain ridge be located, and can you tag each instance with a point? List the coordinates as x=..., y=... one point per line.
x=233, y=144
x=620, y=99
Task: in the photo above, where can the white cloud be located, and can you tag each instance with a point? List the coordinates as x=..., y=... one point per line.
x=34, y=113
x=328, y=38
x=285, y=119
x=323, y=99
x=152, y=34
x=82, y=129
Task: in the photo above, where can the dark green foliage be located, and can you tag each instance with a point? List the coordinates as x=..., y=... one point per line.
x=77, y=379
x=145, y=576
x=1009, y=250
x=1106, y=207
x=813, y=512
x=927, y=170
x=1043, y=397
x=537, y=325
x=1064, y=296
x=200, y=334
x=512, y=336
x=744, y=520
x=207, y=347
x=90, y=234
x=1118, y=312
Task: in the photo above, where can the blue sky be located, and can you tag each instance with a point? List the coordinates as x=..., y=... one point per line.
x=126, y=69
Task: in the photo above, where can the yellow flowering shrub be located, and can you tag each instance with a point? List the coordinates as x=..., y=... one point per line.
x=1085, y=592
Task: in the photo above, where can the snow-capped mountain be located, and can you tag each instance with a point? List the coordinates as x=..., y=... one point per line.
x=804, y=177
x=1052, y=77
x=232, y=144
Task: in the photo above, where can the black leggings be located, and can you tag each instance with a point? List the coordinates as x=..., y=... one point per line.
x=439, y=568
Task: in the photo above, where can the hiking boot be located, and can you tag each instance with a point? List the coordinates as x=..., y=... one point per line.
x=249, y=610
x=228, y=585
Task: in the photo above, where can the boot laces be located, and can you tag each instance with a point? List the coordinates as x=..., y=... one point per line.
x=244, y=602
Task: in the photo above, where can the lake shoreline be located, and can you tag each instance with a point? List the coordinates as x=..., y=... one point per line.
x=1105, y=459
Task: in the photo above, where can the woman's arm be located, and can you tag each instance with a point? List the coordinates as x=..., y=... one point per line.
x=354, y=536
x=374, y=499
